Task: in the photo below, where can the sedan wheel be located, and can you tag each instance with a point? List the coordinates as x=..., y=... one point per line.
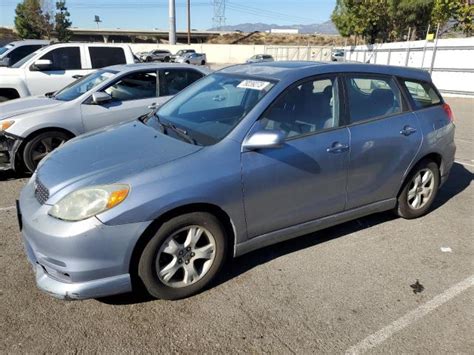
x=421, y=189
x=40, y=146
x=183, y=256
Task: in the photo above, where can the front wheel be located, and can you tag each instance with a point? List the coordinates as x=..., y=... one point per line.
x=41, y=145
x=419, y=190
x=203, y=62
x=183, y=256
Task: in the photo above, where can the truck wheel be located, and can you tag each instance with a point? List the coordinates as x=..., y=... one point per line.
x=41, y=145
x=184, y=255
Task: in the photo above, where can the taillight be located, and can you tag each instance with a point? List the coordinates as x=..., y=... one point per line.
x=449, y=112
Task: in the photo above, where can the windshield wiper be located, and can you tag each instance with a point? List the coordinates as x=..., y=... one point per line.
x=180, y=132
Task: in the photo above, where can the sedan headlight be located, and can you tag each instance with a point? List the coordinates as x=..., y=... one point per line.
x=89, y=201
x=4, y=125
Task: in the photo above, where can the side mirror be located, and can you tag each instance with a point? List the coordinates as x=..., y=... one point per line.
x=5, y=62
x=43, y=64
x=265, y=139
x=100, y=97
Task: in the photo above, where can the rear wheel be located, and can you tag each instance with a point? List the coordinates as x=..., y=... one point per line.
x=41, y=145
x=203, y=62
x=187, y=62
x=183, y=256
x=419, y=190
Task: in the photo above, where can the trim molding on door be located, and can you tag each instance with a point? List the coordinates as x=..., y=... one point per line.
x=312, y=226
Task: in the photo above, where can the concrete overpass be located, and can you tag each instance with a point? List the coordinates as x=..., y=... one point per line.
x=138, y=36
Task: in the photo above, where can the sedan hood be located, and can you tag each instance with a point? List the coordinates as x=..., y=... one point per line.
x=109, y=155
x=16, y=107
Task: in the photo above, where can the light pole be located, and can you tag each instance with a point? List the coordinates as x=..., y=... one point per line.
x=172, y=16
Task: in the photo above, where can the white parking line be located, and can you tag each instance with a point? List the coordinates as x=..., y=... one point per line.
x=383, y=334
x=463, y=163
x=7, y=208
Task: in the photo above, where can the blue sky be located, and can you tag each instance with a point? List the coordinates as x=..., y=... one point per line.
x=148, y=14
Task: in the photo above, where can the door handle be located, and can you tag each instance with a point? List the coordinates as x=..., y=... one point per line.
x=77, y=76
x=337, y=147
x=407, y=130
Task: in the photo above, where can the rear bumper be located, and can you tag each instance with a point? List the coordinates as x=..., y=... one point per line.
x=76, y=260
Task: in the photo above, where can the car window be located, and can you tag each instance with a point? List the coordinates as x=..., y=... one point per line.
x=84, y=84
x=66, y=58
x=134, y=86
x=20, y=52
x=422, y=93
x=306, y=108
x=211, y=108
x=370, y=97
x=173, y=81
x=105, y=56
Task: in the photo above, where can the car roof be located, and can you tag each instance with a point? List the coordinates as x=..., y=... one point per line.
x=139, y=66
x=30, y=41
x=296, y=70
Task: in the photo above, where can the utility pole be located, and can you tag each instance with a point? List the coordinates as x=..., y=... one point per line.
x=434, y=50
x=189, y=21
x=219, y=14
x=172, y=16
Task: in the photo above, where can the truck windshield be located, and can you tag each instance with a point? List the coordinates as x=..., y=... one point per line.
x=83, y=85
x=209, y=109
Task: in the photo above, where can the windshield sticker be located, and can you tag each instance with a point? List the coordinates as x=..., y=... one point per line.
x=253, y=84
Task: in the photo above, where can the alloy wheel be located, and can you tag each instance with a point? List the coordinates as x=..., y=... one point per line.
x=421, y=189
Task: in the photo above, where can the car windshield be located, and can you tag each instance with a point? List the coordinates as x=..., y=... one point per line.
x=84, y=84
x=5, y=48
x=209, y=109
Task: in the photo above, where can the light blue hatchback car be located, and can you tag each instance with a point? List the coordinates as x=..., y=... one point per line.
x=246, y=157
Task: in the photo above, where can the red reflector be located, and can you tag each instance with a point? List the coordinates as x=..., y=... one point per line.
x=449, y=112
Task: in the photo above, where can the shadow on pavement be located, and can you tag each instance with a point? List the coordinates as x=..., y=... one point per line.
x=460, y=179
x=6, y=175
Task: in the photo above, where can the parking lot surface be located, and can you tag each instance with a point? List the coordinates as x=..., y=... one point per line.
x=379, y=284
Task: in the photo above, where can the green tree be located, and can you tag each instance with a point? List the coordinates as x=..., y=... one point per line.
x=29, y=19
x=62, y=22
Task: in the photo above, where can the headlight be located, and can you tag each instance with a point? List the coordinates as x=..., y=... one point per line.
x=89, y=201
x=4, y=125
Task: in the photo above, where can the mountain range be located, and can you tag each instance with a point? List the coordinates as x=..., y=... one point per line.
x=323, y=28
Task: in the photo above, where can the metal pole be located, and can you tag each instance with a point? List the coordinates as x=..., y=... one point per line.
x=389, y=55
x=434, y=50
x=172, y=19
x=408, y=47
x=424, y=47
x=189, y=21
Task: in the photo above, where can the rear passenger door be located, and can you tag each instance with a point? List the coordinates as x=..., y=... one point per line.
x=385, y=137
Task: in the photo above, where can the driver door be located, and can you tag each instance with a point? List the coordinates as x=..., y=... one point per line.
x=130, y=97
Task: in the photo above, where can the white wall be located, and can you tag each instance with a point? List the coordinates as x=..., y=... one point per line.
x=453, y=67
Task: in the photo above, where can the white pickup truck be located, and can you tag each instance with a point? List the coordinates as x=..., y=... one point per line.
x=53, y=67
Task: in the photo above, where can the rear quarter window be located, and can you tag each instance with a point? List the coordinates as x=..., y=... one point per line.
x=105, y=56
x=422, y=93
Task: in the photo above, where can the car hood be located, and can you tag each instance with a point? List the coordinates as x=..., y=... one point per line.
x=16, y=107
x=110, y=155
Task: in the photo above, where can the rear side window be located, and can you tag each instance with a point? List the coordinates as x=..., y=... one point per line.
x=422, y=93
x=371, y=97
x=173, y=81
x=21, y=52
x=66, y=58
x=105, y=56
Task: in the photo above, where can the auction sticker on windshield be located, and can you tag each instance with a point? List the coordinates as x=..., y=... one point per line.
x=253, y=84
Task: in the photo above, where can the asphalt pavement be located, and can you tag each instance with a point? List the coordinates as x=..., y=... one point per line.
x=379, y=284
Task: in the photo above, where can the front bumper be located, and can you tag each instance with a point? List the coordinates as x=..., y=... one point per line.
x=76, y=260
x=8, y=147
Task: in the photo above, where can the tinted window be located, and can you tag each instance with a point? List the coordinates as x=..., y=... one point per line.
x=67, y=58
x=21, y=52
x=307, y=108
x=173, y=81
x=134, y=86
x=423, y=94
x=82, y=85
x=105, y=56
x=372, y=97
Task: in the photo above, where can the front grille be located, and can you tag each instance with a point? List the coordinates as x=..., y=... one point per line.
x=41, y=192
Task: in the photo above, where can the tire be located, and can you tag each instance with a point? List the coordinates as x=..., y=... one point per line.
x=177, y=282
x=423, y=178
x=148, y=59
x=167, y=59
x=40, y=145
x=4, y=98
x=187, y=62
x=203, y=62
